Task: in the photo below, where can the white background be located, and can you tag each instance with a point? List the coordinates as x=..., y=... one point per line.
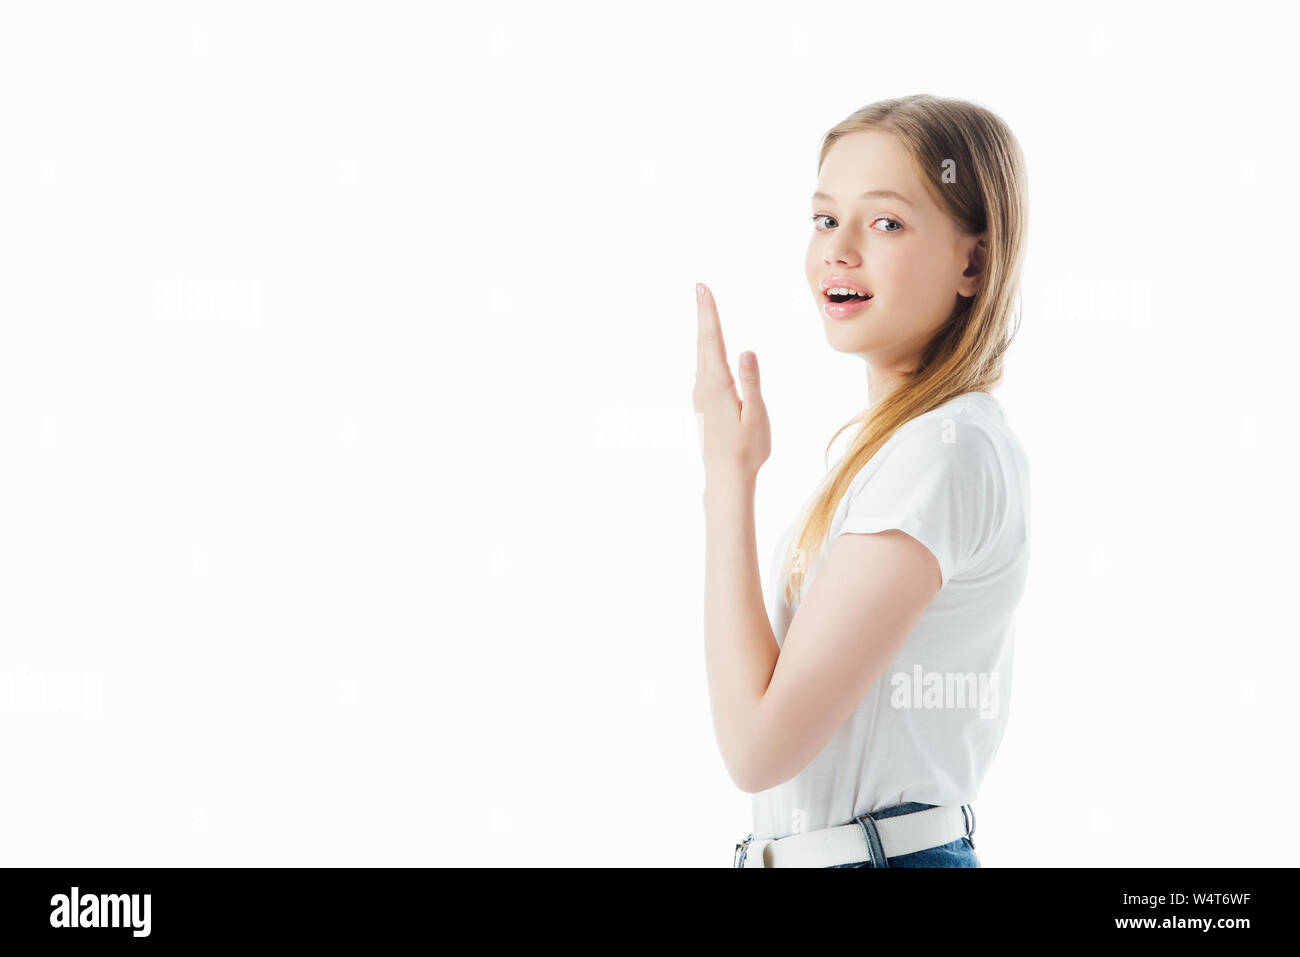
x=350, y=503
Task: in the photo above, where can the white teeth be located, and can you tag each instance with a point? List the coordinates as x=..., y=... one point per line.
x=840, y=291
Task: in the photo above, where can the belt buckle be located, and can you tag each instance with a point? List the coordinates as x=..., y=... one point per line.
x=738, y=859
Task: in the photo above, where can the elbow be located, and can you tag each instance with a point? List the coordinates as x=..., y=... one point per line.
x=761, y=772
x=754, y=783
x=742, y=773
x=751, y=763
x=742, y=779
x=751, y=776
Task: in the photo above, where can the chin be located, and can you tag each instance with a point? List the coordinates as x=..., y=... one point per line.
x=848, y=341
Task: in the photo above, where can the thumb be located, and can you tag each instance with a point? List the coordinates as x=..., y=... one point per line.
x=749, y=392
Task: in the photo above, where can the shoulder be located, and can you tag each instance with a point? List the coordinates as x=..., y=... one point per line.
x=949, y=437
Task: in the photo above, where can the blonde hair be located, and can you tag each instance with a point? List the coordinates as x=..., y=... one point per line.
x=989, y=193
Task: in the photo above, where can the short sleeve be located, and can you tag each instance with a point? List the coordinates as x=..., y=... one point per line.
x=945, y=494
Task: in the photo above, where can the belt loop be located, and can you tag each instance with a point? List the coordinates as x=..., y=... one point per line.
x=970, y=826
x=875, y=849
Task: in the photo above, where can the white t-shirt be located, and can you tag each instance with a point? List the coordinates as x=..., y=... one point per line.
x=957, y=480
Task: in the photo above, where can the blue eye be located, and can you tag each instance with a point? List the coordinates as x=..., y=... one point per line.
x=817, y=216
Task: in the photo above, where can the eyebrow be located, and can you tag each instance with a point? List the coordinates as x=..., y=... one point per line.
x=882, y=193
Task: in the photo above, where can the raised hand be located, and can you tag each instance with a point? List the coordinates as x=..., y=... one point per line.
x=735, y=436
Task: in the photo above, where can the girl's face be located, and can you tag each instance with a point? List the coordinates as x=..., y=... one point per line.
x=902, y=249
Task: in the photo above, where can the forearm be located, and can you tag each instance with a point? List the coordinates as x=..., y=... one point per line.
x=739, y=646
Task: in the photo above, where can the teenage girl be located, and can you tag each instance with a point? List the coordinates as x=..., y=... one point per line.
x=863, y=704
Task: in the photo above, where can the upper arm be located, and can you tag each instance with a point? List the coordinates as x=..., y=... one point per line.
x=867, y=596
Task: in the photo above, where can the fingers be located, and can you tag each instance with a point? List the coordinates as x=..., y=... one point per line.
x=712, y=351
x=751, y=397
x=699, y=335
x=713, y=379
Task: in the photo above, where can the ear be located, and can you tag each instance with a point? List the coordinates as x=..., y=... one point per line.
x=977, y=250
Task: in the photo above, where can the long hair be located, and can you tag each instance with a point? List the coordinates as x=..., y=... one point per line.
x=989, y=192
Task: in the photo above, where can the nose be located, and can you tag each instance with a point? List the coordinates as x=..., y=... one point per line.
x=839, y=252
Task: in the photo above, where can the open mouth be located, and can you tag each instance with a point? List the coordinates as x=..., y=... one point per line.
x=851, y=297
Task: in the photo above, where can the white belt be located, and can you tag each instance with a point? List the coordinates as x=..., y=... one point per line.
x=849, y=843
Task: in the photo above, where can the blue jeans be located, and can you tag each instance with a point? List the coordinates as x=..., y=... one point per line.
x=959, y=853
